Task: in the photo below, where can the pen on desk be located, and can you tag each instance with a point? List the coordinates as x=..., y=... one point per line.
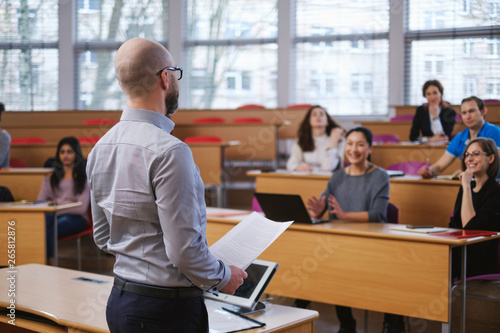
x=39, y=202
x=245, y=317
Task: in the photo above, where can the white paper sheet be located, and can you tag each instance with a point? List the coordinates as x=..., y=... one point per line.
x=247, y=240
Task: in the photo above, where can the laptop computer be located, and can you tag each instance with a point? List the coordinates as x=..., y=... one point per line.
x=285, y=207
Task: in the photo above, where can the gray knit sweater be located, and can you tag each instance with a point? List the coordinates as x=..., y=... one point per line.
x=368, y=192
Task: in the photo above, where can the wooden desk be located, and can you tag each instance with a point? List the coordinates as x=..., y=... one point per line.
x=29, y=227
x=80, y=306
x=420, y=201
x=36, y=155
x=210, y=157
x=424, y=201
x=23, y=183
x=361, y=265
x=257, y=141
x=399, y=128
x=384, y=155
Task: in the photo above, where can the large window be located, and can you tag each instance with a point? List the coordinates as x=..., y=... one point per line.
x=341, y=56
x=352, y=57
x=457, y=43
x=230, y=53
x=102, y=25
x=29, y=64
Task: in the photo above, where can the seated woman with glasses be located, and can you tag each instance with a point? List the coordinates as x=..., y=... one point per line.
x=478, y=205
x=320, y=146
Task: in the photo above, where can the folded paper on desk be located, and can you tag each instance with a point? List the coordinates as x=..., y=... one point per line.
x=419, y=230
x=247, y=240
x=466, y=233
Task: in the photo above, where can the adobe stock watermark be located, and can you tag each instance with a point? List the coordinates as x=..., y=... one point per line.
x=12, y=272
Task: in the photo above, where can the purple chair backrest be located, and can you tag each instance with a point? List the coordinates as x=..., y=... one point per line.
x=409, y=168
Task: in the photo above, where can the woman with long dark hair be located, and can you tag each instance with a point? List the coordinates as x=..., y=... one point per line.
x=320, y=145
x=67, y=183
x=434, y=121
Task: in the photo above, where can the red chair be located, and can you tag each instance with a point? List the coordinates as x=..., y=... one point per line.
x=17, y=163
x=248, y=120
x=209, y=120
x=88, y=140
x=32, y=140
x=99, y=121
x=251, y=106
x=385, y=138
x=202, y=139
x=299, y=106
x=403, y=117
x=78, y=237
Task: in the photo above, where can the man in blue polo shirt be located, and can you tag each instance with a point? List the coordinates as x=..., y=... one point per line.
x=473, y=112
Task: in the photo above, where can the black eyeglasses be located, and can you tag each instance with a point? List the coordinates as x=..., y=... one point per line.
x=175, y=69
x=475, y=153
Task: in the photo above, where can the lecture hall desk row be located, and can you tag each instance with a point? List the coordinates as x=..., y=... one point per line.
x=420, y=201
x=24, y=183
x=361, y=265
x=493, y=114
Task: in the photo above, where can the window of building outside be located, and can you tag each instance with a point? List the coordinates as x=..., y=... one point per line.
x=235, y=42
x=341, y=50
x=29, y=60
x=457, y=43
x=102, y=25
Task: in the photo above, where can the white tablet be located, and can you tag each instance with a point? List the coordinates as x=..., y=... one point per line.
x=246, y=297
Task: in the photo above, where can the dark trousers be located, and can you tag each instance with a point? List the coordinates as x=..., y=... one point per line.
x=131, y=313
x=67, y=224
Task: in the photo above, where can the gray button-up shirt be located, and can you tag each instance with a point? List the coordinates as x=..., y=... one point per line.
x=148, y=205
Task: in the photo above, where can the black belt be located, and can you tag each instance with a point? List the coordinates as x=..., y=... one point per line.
x=159, y=292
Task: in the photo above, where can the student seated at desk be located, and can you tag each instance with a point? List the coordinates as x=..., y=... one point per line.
x=473, y=112
x=320, y=146
x=4, y=143
x=434, y=121
x=67, y=183
x=478, y=205
x=358, y=193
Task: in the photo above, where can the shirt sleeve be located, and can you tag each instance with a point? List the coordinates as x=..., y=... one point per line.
x=101, y=225
x=45, y=190
x=495, y=134
x=487, y=216
x=183, y=219
x=84, y=198
x=453, y=147
x=378, y=210
x=332, y=157
x=295, y=158
x=415, y=126
x=448, y=121
x=4, y=149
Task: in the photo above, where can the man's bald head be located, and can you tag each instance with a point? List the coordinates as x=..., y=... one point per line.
x=136, y=63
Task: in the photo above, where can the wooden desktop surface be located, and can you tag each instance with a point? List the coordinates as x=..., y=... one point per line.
x=29, y=237
x=36, y=155
x=23, y=183
x=387, y=154
x=362, y=265
x=415, y=197
x=80, y=305
x=257, y=141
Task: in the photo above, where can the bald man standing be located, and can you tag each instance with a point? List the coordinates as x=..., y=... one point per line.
x=148, y=205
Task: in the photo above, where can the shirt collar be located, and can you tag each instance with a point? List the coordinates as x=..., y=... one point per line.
x=147, y=116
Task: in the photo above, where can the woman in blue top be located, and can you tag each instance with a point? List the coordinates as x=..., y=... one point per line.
x=357, y=193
